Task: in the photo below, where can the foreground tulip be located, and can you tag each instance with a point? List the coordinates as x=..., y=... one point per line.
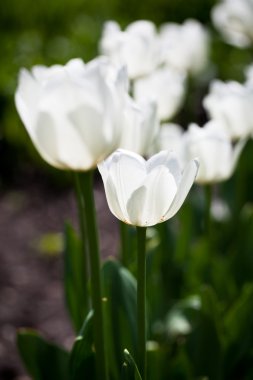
x=73, y=112
x=233, y=18
x=145, y=193
x=166, y=87
x=185, y=47
x=212, y=146
x=231, y=104
x=136, y=47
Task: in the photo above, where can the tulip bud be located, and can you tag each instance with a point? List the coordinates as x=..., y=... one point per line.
x=233, y=18
x=217, y=157
x=166, y=87
x=136, y=47
x=231, y=104
x=144, y=193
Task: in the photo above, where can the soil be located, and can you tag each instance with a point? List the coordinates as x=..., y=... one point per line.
x=31, y=290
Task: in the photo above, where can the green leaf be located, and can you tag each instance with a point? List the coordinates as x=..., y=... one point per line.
x=239, y=333
x=211, y=307
x=157, y=361
x=196, y=318
x=43, y=360
x=205, y=341
x=82, y=359
x=75, y=279
x=130, y=369
x=119, y=291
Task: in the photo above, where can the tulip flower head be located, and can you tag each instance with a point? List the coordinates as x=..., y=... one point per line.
x=217, y=157
x=233, y=18
x=73, y=113
x=231, y=104
x=185, y=47
x=170, y=137
x=145, y=193
x=166, y=87
x=136, y=47
x=140, y=126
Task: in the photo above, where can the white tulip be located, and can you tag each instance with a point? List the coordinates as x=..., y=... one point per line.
x=140, y=126
x=231, y=104
x=233, y=18
x=166, y=87
x=145, y=193
x=216, y=154
x=186, y=46
x=170, y=137
x=137, y=46
x=73, y=112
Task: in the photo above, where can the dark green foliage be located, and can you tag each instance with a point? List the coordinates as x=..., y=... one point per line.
x=75, y=279
x=43, y=360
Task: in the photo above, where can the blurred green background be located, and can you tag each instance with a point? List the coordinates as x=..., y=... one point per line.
x=49, y=32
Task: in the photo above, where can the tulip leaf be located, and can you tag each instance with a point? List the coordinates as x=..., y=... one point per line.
x=196, y=318
x=130, y=369
x=239, y=333
x=204, y=342
x=157, y=363
x=119, y=288
x=82, y=360
x=43, y=360
x=75, y=279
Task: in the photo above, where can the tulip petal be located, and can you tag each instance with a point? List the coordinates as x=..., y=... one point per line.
x=135, y=207
x=149, y=203
x=47, y=146
x=25, y=99
x=127, y=171
x=88, y=123
x=169, y=159
x=76, y=126
x=236, y=154
x=186, y=183
x=112, y=200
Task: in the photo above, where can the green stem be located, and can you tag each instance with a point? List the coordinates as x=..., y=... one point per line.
x=124, y=244
x=141, y=300
x=208, y=204
x=82, y=228
x=96, y=288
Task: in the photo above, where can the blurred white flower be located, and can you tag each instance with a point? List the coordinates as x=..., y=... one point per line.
x=137, y=46
x=220, y=210
x=216, y=154
x=231, y=103
x=166, y=87
x=144, y=193
x=140, y=126
x=170, y=137
x=178, y=324
x=233, y=18
x=72, y=113
x=186, y=46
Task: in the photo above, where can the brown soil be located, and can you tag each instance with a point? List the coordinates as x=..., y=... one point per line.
x=31, y=291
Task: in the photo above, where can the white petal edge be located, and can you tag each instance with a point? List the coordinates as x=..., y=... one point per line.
x=185, y=185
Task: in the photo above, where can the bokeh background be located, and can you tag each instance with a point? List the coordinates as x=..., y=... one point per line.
x=54, y=32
